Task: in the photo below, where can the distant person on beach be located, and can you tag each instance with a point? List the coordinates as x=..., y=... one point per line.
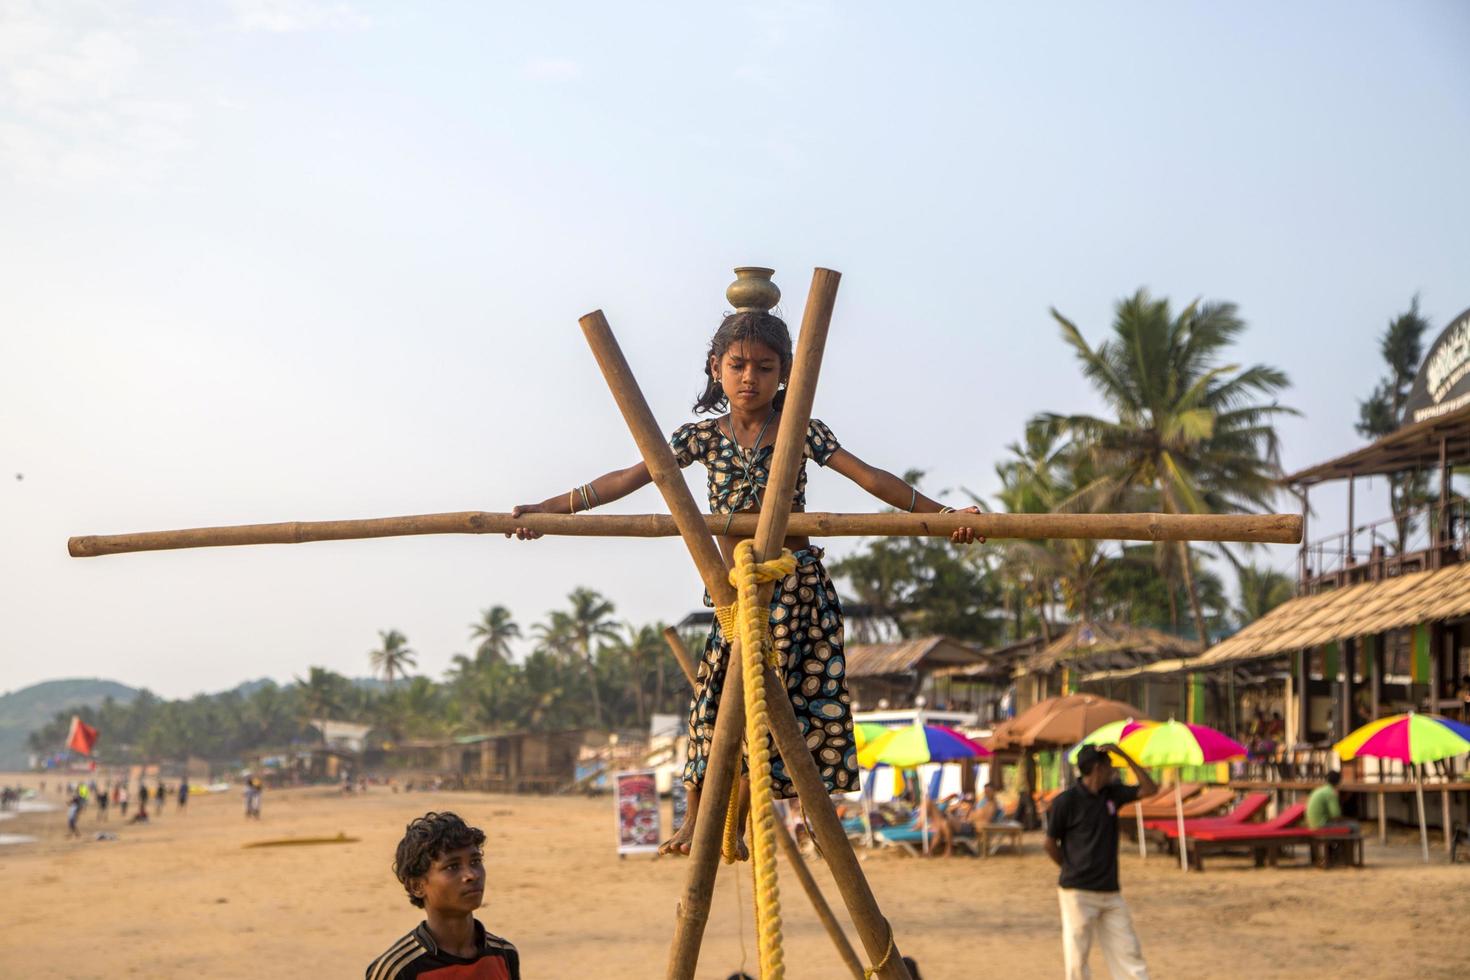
x=74, y=810
x=440, y=863
x=102, y=796
x=160, y=794
x=122, y=798
x=253, y=790
x=1082, y=838
x=142, y=797
x=183, y=793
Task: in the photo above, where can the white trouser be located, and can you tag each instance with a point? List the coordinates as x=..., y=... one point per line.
x=1104, y=914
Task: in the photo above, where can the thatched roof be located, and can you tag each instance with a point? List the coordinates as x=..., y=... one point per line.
x=880, y=659
x=1337, y=614
x=1108, y=645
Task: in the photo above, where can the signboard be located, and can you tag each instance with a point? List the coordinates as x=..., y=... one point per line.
x=636, y=800
x=1443, y=383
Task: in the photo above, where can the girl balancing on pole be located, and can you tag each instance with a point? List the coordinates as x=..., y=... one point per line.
x=748, y=364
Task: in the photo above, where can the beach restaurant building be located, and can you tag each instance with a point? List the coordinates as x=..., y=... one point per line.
x=1381, y=620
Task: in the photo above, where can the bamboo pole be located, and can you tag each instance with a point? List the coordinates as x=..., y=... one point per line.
x=681, y=654
x=789, y=848
x=813, y=892
x=1444, y=802
x=722, y=765
x=658, y=457
x=1265, y=528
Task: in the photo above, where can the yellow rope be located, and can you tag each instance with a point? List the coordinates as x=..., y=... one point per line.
x=869, y=972
x=751, y=618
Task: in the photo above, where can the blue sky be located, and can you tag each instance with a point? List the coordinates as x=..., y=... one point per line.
x=272, y=260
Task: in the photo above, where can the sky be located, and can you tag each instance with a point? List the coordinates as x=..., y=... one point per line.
x=292, y=260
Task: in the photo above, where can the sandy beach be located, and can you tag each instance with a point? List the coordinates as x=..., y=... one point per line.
x=183, y=897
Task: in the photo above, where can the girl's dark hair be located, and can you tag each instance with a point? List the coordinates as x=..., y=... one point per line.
x=763, y=328
x=426, y=838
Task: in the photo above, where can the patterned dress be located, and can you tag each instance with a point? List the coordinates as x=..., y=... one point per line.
x=806, y=617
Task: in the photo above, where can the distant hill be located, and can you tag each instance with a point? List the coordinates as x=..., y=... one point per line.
x=25, y=710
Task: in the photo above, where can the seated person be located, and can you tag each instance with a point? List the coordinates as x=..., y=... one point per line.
x=1324, y=809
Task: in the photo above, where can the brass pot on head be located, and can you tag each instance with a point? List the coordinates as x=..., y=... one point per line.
x=752, y=291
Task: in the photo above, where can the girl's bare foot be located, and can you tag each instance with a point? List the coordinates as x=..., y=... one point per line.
x=683, y=837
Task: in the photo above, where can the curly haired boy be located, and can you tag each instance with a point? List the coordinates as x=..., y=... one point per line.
x=440, y=863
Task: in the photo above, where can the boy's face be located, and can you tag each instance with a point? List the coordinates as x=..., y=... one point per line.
x=455, y=881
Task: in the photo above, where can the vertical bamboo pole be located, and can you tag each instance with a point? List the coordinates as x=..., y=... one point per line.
x=1444, y=799
x=681, y=654
x=722, y=766
x=873, y=929
x=792, y=852
x=1179, y=812
x=1423, y=831
x=813, y=892
x=1382, y=813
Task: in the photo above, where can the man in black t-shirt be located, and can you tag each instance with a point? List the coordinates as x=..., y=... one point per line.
x=1082, y=838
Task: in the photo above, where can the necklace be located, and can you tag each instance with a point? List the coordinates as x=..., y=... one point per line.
x=746, y=460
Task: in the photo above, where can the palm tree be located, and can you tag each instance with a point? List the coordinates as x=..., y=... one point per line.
x=322, y=695
x=642, y=648
x=494, y=630
x=1189, y=429
x=394, y=656
x=1261, y=590
x=590, y=620
x=1046, y=474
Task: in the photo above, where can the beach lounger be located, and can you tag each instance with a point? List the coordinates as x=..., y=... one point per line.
x=1157, y=807
x=1285, y=819
x=1266, y=846
x=909, y=839
x=1249, y=805
x=1212, y=799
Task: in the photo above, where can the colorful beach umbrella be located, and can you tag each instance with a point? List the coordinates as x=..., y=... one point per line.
x=866, y=731
x=1411, y=738
x=1112, y=733
x=915, y=745
x=1172, y=744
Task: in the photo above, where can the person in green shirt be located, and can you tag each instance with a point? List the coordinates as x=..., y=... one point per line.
x=1323, y=807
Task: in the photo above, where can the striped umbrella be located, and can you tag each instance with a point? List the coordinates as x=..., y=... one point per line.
x=1178, y=743
x=914, y=745
x=1411, y=739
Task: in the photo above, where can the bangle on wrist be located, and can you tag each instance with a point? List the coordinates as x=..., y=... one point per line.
x=946, y=510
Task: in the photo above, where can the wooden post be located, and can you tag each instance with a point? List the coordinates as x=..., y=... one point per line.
x=1382, y=812
x=681, y=654
x=1179, y=812
x=722, y=766
x=792, y=852
x=1444, y=798
x=1419, y=798
x=1302, y=558
x=1350, y=559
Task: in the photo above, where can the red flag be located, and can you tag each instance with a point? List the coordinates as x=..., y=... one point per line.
x=82, y=736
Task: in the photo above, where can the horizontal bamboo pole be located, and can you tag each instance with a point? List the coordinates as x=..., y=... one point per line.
x=1261, y=528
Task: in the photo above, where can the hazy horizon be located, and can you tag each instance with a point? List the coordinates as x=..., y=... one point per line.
x=272, y=260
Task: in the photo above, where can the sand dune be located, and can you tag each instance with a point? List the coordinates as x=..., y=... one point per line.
x=183, y=898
